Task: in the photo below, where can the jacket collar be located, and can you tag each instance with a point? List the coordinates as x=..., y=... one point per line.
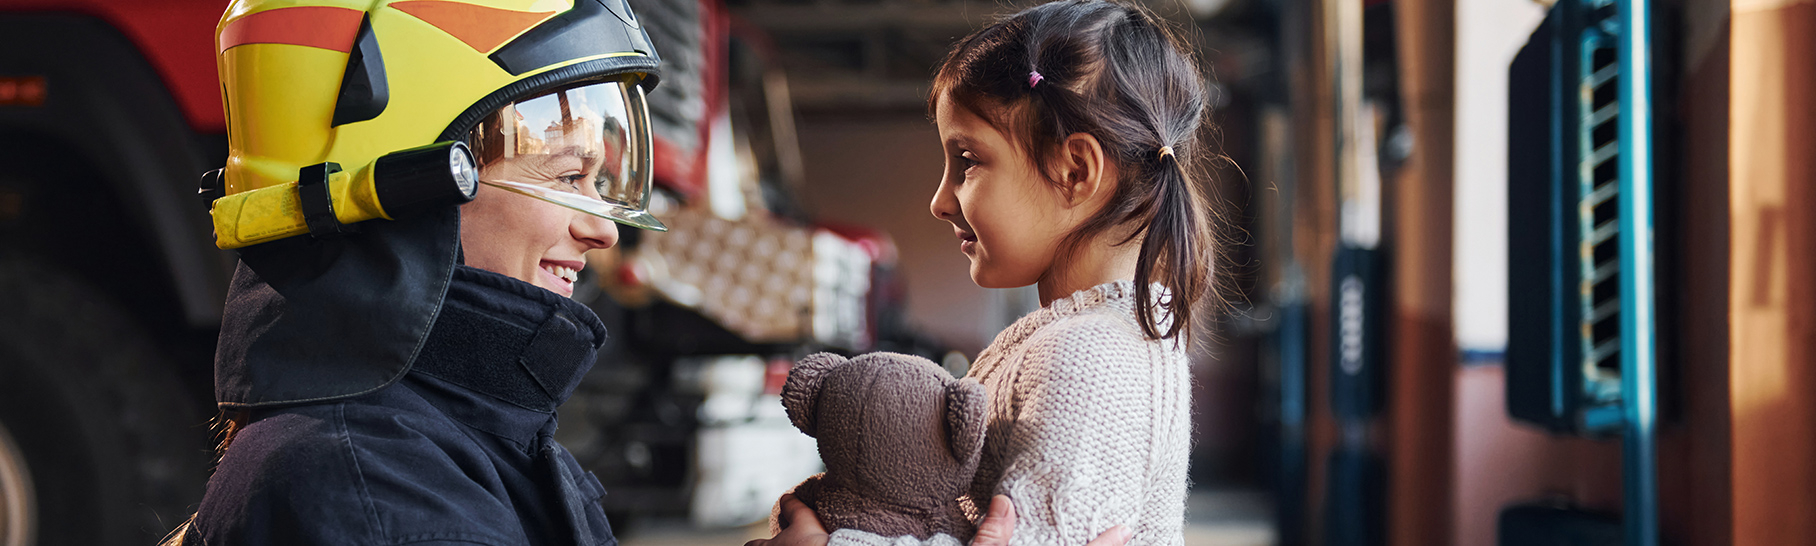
x=510, y=341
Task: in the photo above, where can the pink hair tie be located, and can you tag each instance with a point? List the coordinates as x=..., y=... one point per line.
x=1034, y=78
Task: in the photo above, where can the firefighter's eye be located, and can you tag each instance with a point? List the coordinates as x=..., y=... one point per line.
x=570, y=182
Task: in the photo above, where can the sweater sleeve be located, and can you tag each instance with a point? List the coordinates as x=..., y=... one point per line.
x=854, y=537
x=1080, y=445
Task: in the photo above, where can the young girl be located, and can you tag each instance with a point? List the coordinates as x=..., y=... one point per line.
x=1070, y=130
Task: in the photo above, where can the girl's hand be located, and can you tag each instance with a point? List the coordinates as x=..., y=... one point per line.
x=801, y=527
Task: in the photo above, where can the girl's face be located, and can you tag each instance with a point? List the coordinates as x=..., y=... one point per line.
x=528, y=239
x=1009, y=220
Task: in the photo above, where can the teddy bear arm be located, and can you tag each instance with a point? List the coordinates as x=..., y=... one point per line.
x=808, y=492
x=846, y=509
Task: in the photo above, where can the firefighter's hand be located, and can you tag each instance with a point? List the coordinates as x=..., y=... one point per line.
x=999, y=524
x=800, y=526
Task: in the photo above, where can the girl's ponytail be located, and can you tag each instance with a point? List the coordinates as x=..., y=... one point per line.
x=1172, y=251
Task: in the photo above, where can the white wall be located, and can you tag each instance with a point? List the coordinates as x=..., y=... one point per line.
x=1489, y=33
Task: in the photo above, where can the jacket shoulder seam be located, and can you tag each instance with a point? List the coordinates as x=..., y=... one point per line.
x=359, y=476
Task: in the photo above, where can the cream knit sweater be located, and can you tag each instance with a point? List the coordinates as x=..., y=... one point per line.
x=1089, y=426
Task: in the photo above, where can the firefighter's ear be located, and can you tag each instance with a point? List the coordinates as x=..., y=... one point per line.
x=801, y=395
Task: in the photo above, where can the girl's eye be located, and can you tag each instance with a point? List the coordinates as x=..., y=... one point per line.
x=966, y=160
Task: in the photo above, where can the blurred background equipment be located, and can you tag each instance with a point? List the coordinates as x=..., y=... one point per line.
x=681, y=416
x=109, y=292
x=1582, y=341
x=1436, y=326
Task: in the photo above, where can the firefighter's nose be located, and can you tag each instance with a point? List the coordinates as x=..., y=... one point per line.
x=593, y=231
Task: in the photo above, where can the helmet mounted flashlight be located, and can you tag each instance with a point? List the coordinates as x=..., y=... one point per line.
x=326, y=200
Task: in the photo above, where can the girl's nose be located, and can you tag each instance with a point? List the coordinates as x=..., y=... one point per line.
x=945, y=203
x=593, y=231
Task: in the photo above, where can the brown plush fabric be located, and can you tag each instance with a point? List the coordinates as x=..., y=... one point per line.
x=900, y=437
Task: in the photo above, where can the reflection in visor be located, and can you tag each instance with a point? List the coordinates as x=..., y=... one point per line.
x=585, y=148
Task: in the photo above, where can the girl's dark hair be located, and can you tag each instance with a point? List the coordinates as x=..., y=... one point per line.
x=1116, y=72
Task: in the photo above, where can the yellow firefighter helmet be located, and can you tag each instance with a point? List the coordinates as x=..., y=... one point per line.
x=342, y=111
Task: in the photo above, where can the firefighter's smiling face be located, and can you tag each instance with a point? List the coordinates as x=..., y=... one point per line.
x=529, y=239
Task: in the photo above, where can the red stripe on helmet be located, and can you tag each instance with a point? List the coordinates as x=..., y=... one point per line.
x=481, y=28
x=309, y=26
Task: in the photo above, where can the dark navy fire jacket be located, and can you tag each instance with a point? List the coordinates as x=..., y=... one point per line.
x=457, y=451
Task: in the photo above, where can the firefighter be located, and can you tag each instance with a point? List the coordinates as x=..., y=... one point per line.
x=411, y=188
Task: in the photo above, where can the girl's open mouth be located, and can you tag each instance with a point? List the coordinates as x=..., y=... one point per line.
x=967, y=241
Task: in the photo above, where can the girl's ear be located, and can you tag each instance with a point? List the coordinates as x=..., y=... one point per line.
x=1085, y=170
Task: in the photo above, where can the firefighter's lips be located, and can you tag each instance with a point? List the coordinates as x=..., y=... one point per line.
x=563, y=273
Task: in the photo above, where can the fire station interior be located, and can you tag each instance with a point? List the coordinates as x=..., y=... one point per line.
x=1491, y=272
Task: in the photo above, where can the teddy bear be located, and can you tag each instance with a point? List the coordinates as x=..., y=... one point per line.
x=900, y=437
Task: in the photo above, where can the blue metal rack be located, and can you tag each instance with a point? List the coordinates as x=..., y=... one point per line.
x=1639, y=356
x=1581, y=354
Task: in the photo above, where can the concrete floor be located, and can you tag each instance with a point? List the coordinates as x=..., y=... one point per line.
x=1213, y=518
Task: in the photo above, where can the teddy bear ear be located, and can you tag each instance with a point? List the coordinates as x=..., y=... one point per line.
x=801, y=393
x=967, y=408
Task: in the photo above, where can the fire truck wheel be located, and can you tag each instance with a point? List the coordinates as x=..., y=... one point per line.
x=98, y=444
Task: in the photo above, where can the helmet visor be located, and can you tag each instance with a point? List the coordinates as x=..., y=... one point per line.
x=585, y=147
